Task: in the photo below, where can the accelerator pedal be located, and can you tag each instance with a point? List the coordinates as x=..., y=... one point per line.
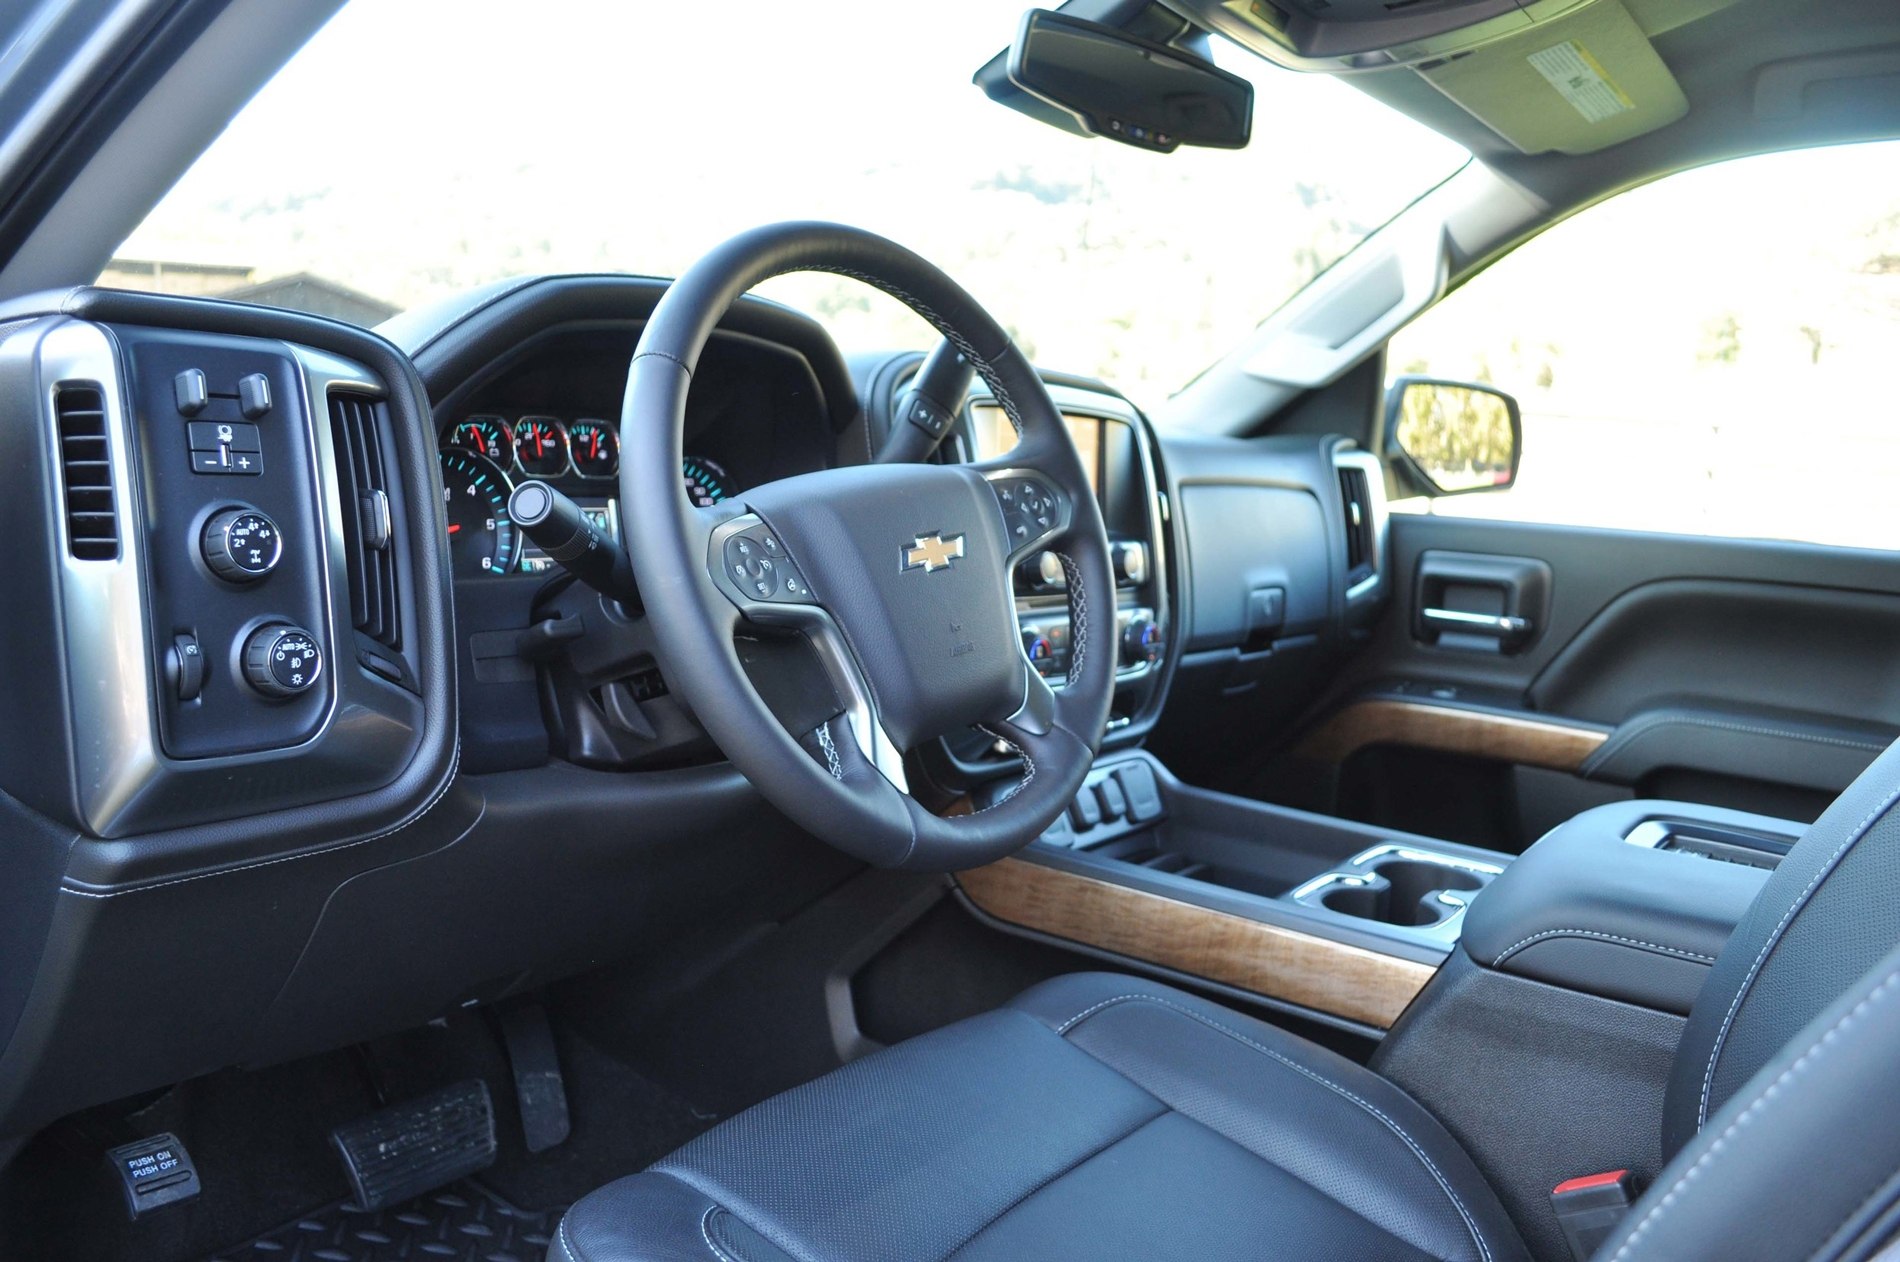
x=407, y=1149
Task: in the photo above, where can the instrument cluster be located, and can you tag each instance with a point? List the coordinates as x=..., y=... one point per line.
x=484, y=455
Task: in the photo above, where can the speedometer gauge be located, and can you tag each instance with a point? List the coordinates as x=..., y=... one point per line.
x=482, y=538
x=485, y=436
x=541, y=446
x=595, y=448
x=706, y=482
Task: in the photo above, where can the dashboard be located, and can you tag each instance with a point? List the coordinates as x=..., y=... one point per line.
x=314, y=697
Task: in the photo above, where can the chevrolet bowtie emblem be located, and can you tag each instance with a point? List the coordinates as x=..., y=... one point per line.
x=933, y=552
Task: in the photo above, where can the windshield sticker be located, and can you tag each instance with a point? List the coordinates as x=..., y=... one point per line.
x=1575, y=74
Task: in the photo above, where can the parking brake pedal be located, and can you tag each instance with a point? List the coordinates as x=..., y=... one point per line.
x=407, y=1149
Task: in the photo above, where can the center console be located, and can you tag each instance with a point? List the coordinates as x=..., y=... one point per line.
x=1533, y=1003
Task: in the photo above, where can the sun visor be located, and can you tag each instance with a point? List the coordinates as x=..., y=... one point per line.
x=1584, y=82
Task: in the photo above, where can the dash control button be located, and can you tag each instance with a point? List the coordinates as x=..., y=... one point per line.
x=191, y=392
x=254, y=395
x=282, y=661
x=242, y=545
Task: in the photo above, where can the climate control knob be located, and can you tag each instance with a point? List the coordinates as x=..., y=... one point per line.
x=241, y=545
x=282, y=660
x=1140, y=641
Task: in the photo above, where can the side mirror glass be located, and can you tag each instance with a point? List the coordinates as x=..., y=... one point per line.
x=1122, y=87
x=1453, y=437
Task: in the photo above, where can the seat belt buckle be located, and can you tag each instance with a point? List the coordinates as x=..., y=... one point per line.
x=1588, y=1208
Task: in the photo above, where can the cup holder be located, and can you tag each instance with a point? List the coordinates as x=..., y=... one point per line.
x=1396, y=886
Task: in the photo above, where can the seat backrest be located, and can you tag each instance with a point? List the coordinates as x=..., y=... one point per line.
x=1829, y=913
x=1803, y=1159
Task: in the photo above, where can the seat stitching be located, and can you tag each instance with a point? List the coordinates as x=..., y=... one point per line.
x=1444, y=1185
x=705, y=1233
x=1762, y=1097
x=1774, y=937
x=1057, y=1176
x=1515, y=947
x=567, y=1246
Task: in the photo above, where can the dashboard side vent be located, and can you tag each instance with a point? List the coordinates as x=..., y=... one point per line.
x=1355, y=492
x=85, y=454
x=356, y=434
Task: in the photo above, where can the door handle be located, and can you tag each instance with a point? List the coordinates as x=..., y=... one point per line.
x=1504, y=626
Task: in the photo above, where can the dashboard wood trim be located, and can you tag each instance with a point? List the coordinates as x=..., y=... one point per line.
x=1541, y=742
x=1313, y=972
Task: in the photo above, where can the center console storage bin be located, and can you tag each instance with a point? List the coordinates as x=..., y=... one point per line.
x=1631, y=901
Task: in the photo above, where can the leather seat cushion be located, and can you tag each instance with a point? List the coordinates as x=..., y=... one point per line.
x=1097, y=1116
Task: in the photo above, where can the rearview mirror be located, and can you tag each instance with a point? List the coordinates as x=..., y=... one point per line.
x=1127, y=88
x=1453, y=437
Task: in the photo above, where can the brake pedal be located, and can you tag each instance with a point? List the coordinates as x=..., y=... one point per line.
x=407, y=1149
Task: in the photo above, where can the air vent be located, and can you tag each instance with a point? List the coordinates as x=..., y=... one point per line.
x=92, y=518
x=1355, y=492
x=356, y=434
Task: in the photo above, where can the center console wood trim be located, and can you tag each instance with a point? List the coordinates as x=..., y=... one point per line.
x=1539, y=742
x=1313, y=972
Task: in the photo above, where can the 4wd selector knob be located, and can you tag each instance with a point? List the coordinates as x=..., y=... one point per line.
x=282, y=660
x=241, y=545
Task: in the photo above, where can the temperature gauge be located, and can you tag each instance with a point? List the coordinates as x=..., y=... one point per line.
x=595, y=448
x=541, y=446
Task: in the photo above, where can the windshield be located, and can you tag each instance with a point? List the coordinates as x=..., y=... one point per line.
x=416, y=148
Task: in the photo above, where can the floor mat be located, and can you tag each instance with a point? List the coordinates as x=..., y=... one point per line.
x=461, y=1223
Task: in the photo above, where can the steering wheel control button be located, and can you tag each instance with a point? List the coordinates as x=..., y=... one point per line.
x=254, y=395
x=1030, y=509
x=185, y=667
x=191, y=391
x=282, y=661
x=241, y=545
x=928, y=417
x=758, y=569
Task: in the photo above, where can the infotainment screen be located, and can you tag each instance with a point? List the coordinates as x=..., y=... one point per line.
x=995, y=435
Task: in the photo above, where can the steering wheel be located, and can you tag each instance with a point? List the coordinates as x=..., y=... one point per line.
x=899, y=575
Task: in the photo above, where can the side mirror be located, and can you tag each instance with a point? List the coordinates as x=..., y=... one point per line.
x=1452, y=437
x=1123, y=87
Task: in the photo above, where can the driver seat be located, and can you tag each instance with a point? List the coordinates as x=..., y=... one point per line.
x=1101, y=1116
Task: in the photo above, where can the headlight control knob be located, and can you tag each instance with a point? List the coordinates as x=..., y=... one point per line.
x=282, y=660
x=241, y=545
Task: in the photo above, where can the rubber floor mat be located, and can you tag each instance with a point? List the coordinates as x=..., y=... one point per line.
x=461, y=1223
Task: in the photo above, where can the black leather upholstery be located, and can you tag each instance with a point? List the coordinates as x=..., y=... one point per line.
x=1801, y=1161
x=1827, y=915
x=1096, y=1117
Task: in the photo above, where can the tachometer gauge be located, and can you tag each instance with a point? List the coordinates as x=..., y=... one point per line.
x=595, y=449
x=482, y=538
x=541, y=446
x=706, y=482
x=485, y=436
